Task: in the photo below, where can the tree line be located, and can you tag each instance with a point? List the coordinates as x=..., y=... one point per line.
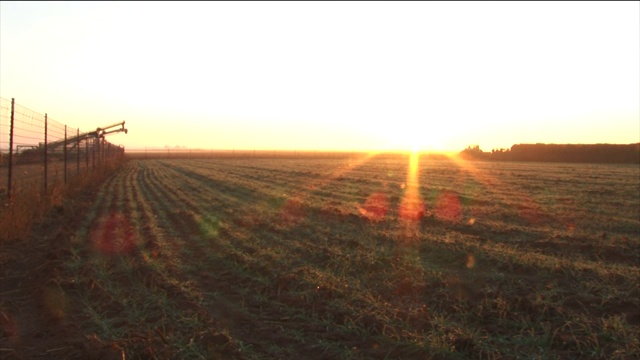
x=582, y=153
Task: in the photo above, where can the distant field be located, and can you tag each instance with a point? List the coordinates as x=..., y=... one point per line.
x=354, y=258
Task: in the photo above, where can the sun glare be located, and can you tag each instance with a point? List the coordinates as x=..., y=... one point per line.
x=412, y=206
x=416, y=139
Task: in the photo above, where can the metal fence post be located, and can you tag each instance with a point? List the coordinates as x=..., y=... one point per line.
x=64, y=153
x=102, y=158
x=86, y=154
x=78, y=152
x=10, y=149
x=46, y=172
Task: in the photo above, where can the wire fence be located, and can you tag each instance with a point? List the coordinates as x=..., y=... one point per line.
x=38, y=153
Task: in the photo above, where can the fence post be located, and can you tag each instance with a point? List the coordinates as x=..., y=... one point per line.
x=102, y=154
x=86, y=154
x=10, y=149
x=78, y=152
x=93, y=165
x=46, y=171
x=64, y=153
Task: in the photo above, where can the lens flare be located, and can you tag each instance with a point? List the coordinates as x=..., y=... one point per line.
x=9, y=327
x=448, y=206
x=114, y=235
x=210, y=226
x=292, y=211
x=412, y=206
x=471, y=261
x=55, y=302
x=375, y=207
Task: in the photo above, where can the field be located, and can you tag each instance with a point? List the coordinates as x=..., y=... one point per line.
x=353, y=258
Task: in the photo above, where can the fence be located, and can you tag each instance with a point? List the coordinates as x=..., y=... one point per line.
x=38, y=153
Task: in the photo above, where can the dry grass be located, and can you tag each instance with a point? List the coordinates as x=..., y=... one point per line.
x=324, y=259
x=29, y=204
x=317, y=259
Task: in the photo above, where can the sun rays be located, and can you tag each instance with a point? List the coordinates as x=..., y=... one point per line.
x=412, y=207
x=405, y=198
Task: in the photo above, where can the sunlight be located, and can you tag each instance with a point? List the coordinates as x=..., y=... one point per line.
x=428, y=141
x=416, y=137
x=412, y=206
x=412, y=177
x=448, y=206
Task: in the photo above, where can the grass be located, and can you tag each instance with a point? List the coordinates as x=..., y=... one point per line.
x=312, y=258
x=29, y=203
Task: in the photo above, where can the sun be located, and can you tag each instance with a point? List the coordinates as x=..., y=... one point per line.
x=418, y=141
x=413, y=136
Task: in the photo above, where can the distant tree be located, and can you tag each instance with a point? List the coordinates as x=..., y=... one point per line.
x=473, y=152
x=584, y=153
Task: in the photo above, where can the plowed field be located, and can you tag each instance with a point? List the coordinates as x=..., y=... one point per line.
x=347, y=259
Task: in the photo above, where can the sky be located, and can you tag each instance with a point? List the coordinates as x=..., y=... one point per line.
x=434, y=76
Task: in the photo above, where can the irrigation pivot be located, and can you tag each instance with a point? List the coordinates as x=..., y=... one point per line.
x=34, y=153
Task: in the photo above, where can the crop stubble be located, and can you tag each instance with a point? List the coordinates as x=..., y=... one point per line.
x=309, y=258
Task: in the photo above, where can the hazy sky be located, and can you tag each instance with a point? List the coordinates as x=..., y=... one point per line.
x=329, y=75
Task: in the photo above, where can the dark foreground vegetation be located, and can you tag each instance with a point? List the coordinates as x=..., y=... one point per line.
x=364, y=258
x=570, y=153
